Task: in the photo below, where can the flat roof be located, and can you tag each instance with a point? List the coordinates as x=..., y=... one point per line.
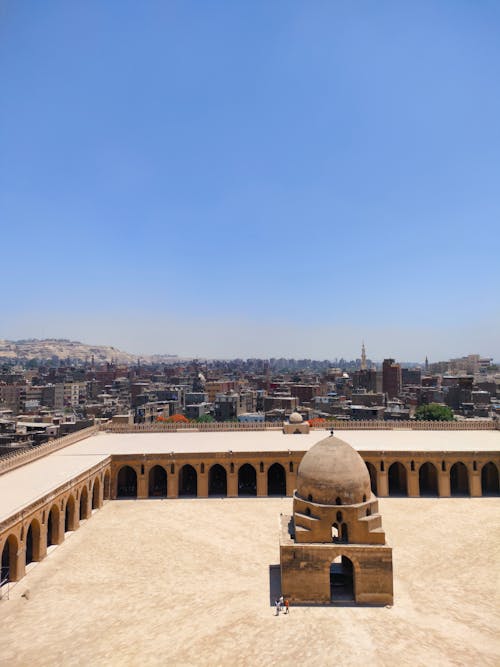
x=20, y=487
x=187, y=442
x=23, y=486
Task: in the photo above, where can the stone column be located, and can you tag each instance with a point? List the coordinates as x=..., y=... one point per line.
x=62, y=524
x=232, y=484
x=444, y=484
x=291, y=483
x=43, y=539
x=203, y=484
x=382, y=484
x=475, y=483
x=262, y=483
x=142, y=484
x=413, y=486
x=21, y=561
x=173, y=484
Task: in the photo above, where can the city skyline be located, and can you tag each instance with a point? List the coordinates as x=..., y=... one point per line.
x=332, y=356
x=244, y=181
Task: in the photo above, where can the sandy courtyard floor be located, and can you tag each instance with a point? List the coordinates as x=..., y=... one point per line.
x=187, y=582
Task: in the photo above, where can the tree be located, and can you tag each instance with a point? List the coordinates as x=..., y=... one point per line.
x=434, y=412
x=204, y=419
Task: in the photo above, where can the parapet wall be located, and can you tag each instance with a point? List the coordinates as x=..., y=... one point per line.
x=336, y=425
x=16, y=459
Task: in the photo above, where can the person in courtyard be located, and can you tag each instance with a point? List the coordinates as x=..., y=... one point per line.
x=277, y=605
x=287, y=605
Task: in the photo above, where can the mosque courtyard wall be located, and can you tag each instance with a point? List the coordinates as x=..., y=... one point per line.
x=27, y=530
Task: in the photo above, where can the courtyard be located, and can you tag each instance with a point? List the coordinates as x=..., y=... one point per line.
x=187, y=582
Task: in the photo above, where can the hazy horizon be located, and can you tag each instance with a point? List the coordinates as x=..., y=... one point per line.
x=243, y=180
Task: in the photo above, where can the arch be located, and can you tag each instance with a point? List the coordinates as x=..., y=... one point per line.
x=373, y=476
x=126, y=483
x=342, y=580
x=33, y=542
x=188, y=481
x=217, y=480
x=157, y=484
x=276, y=480
x=344, y=533
x=428, y=479
x=53, y=536
x=397, y=479
x=459, y=479
x=70, y=515
x=84, y=504
x=9, y=559
x=247, y=480
x=489, y=479
x=107, y=485
x=96, y=501
x=335, y=532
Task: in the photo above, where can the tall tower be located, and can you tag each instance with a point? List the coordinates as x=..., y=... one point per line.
x=363, y=357
x=426, y=364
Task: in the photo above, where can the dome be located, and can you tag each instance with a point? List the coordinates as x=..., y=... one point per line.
x=332, y=471
x=295, y=418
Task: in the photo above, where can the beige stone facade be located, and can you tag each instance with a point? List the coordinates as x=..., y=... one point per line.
x=35, y=521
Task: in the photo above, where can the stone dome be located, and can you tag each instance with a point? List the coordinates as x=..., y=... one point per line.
x=332, y=471
x=295, y=418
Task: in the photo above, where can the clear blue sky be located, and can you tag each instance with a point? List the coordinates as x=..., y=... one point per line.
x=252, y=178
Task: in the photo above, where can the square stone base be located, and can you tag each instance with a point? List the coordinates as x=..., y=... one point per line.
x=305, y=570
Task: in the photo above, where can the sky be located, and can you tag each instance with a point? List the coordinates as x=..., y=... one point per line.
x=252, y=179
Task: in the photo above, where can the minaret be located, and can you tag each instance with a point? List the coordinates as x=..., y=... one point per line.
x=426, y=364
x=363, y=357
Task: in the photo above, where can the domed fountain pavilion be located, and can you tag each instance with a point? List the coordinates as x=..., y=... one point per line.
x=333, y=549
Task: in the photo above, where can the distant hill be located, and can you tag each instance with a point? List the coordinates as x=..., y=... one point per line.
x=48, y=348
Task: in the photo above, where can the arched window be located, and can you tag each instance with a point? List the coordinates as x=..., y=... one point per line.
x=428, y=479
x=157, y=482
x=217, y=481
x=70, y=515
x=247, y=480
x=127, y=483
x=276, y=480
x=489, y=480
x=459, y=479
x=188, y=481
x=397, y=480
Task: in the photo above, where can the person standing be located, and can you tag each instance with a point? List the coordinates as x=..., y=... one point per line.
x=287, y=605
x=277, y=605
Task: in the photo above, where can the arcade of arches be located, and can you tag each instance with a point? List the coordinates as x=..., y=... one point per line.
x=25, y=537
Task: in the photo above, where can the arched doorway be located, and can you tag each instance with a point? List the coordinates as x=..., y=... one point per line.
x=397, y=480
x=188, y=481
x=84, y=504
x=489, y=480
x=95, y=494
x=126, y=486
x=459, y=479
x=276, y=480
x=70, y=515
x=217, y=481
x=342, y=580
x=373, y=477
x=157, y=487
x=107, y=485
x=33, y=542
x=247, y=480
x=9, y=560
x=428, y=479
x=53, y=526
